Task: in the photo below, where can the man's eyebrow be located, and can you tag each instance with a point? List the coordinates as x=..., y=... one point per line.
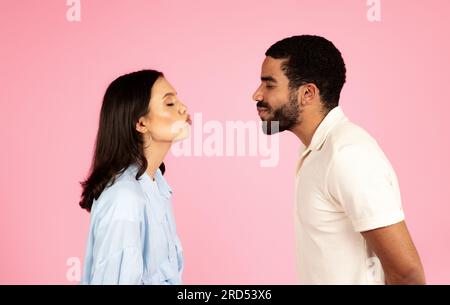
x=268, y=79
x=169, y=94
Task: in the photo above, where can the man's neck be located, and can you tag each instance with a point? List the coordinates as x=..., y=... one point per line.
x=308, y=126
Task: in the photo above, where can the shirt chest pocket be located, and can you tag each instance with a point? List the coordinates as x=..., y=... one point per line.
x=161, y=241
x=164, y=257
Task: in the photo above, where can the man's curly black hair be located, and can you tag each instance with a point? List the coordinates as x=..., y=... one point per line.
x=312, y=59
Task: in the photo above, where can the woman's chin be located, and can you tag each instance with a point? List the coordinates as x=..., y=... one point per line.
x=183, y=134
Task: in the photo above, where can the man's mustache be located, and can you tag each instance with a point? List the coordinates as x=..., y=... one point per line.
x=262, y=104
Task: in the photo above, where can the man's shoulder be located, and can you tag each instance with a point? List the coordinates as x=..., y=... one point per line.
x=347, y=133
x=351, y=144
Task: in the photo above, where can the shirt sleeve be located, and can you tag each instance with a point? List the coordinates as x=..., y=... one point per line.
x=118, y=257
x=362, y=181
x=122, y=268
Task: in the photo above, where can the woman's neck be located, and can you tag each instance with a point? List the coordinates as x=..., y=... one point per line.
x=155, y=153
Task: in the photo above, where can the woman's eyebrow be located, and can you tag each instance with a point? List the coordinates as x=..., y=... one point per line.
x=169, y=94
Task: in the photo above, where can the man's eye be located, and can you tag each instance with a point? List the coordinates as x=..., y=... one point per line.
x=269, y=86
x=170, y=104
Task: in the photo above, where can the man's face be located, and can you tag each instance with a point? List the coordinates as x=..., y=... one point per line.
x=275, y=102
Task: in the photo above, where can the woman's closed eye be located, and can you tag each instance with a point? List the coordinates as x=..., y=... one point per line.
x=170, y=102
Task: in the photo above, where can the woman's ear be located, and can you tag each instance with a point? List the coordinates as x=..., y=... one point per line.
x=141, y=125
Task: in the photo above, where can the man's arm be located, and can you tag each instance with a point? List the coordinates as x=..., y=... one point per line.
x=397, y=253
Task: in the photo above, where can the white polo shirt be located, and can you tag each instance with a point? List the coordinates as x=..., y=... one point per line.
x=344, y=185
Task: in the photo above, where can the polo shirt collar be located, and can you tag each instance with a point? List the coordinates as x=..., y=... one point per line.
x=333, y=117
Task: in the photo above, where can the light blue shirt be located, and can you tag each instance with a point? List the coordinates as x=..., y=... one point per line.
x=132, y=235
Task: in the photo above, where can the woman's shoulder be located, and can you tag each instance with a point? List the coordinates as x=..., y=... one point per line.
x=124, y=198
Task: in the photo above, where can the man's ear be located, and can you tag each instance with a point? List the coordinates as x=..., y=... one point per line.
x=141, y=125
x=308, y=93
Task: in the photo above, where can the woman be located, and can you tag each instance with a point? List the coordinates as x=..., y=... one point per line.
x=132, y=237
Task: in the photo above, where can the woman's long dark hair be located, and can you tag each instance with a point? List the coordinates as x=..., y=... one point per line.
x=118, y=143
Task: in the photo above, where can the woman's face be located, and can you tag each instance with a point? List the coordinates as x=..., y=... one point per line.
x=167, y=119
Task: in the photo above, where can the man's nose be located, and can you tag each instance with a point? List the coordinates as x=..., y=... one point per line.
x=257, y=96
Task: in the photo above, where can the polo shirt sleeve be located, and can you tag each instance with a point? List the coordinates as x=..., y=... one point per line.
x=362, y=181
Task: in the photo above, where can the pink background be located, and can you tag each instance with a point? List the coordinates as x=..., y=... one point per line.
x=234, y=217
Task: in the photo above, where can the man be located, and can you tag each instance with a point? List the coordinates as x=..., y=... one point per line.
x=349, y=221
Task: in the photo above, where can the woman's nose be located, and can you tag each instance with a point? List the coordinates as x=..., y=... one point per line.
x=182, y=109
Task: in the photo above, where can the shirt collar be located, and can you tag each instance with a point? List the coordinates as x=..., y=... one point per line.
x=333, y=117
x=150, y=186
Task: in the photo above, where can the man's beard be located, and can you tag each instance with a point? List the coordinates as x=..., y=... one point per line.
x=284, y=117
